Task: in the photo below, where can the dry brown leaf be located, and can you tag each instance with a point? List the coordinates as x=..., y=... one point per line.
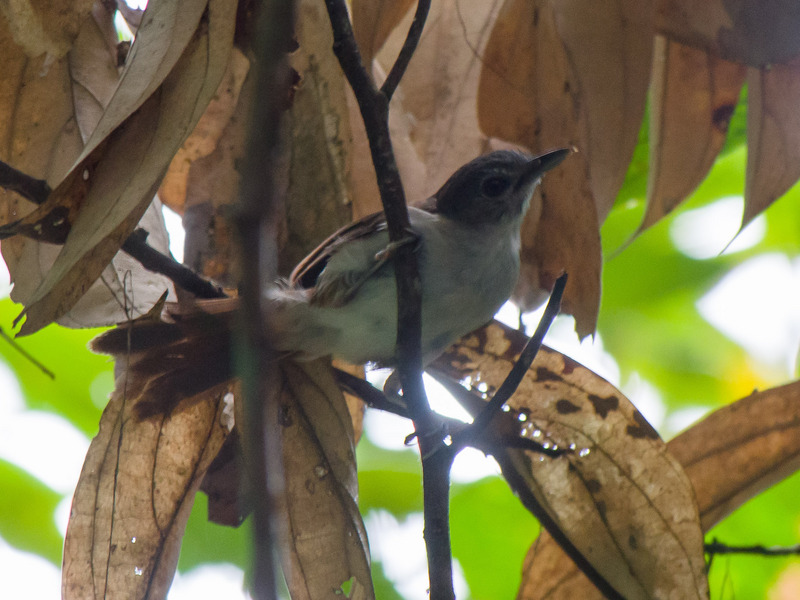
x=740, y=450
x=529, y=94
x=692, y=99
x=609, y=46
x=619, y=496
x=730, y=456
x=93, y=68
x=134, y=496
x=45, y=27
x=205, y=138
x=752, y=32
x=773, y=136
x=328, y=542
x=124, y=170
x=373, y=21
x=44, y=141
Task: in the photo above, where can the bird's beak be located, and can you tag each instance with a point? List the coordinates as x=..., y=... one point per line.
x=537, y=166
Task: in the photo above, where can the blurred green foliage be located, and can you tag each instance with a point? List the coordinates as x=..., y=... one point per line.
x=648, y=322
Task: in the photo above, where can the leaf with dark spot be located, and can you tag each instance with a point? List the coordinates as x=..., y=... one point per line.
x=603, y=406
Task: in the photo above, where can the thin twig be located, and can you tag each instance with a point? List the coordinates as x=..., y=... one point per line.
x=407, y=51
x=254, y=358
x=182, y=276
x=374, y=107
x=26, y=354
x=526, y=357
x=716, y=547
x=136, y=246
x=35, y=190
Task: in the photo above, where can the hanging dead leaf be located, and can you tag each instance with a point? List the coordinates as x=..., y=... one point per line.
x=529, y=94
x=773, y=136
x=93, y=68
x=740, y=450
x=373, y=21
x=124, y=170
x=692, y=99
x=44, y=141
x=618, y=495
x=134, y=497
x=609, y=46
x=205, y=138
x=328, y=542
x=746, y=31
x=730, y=456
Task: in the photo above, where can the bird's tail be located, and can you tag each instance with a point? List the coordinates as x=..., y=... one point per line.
x=165, y=361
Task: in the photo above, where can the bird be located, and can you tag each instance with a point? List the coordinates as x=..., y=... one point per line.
x=341, y=300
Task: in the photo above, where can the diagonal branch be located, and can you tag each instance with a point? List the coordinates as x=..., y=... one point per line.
x=407, y=51
x=37, y=191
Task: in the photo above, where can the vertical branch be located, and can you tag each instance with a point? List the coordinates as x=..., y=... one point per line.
x=436, y=459
x=374, y=107
x=254, y=358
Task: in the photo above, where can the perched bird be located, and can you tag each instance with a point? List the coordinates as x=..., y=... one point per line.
x=341, y=300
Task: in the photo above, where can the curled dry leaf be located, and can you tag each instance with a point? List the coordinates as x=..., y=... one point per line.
x=773, y=135
x=752, y=32
x=93, y=68
x=116, y=177
x=327, y=539
x=740, y=450
x=730, y=456
x=43, y=104
x=134, y=497
x=692, y=99
x=618, y=495
x=529, y=94
x=609, y=46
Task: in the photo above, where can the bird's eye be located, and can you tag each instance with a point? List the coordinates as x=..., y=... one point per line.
x=494, y=186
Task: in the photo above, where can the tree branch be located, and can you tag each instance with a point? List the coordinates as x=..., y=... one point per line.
x=526, y=357
x=407, y=51
x=716, y=547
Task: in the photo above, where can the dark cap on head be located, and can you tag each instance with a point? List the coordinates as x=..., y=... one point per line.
x=494, y=187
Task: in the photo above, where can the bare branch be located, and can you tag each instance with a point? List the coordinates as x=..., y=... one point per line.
x=407, y=51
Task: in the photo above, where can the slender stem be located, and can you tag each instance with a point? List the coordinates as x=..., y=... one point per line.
x=716, y=547
x=182, y=276
x=436, y=513
x=254, y=358
x=374, y=107
x=136, y=246
x=35, y=190
x=407, y=51
x=526, y=357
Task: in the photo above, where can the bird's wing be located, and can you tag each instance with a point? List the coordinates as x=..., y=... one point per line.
x=337, y=285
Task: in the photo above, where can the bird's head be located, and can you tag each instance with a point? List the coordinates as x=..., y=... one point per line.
x=494, y=188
